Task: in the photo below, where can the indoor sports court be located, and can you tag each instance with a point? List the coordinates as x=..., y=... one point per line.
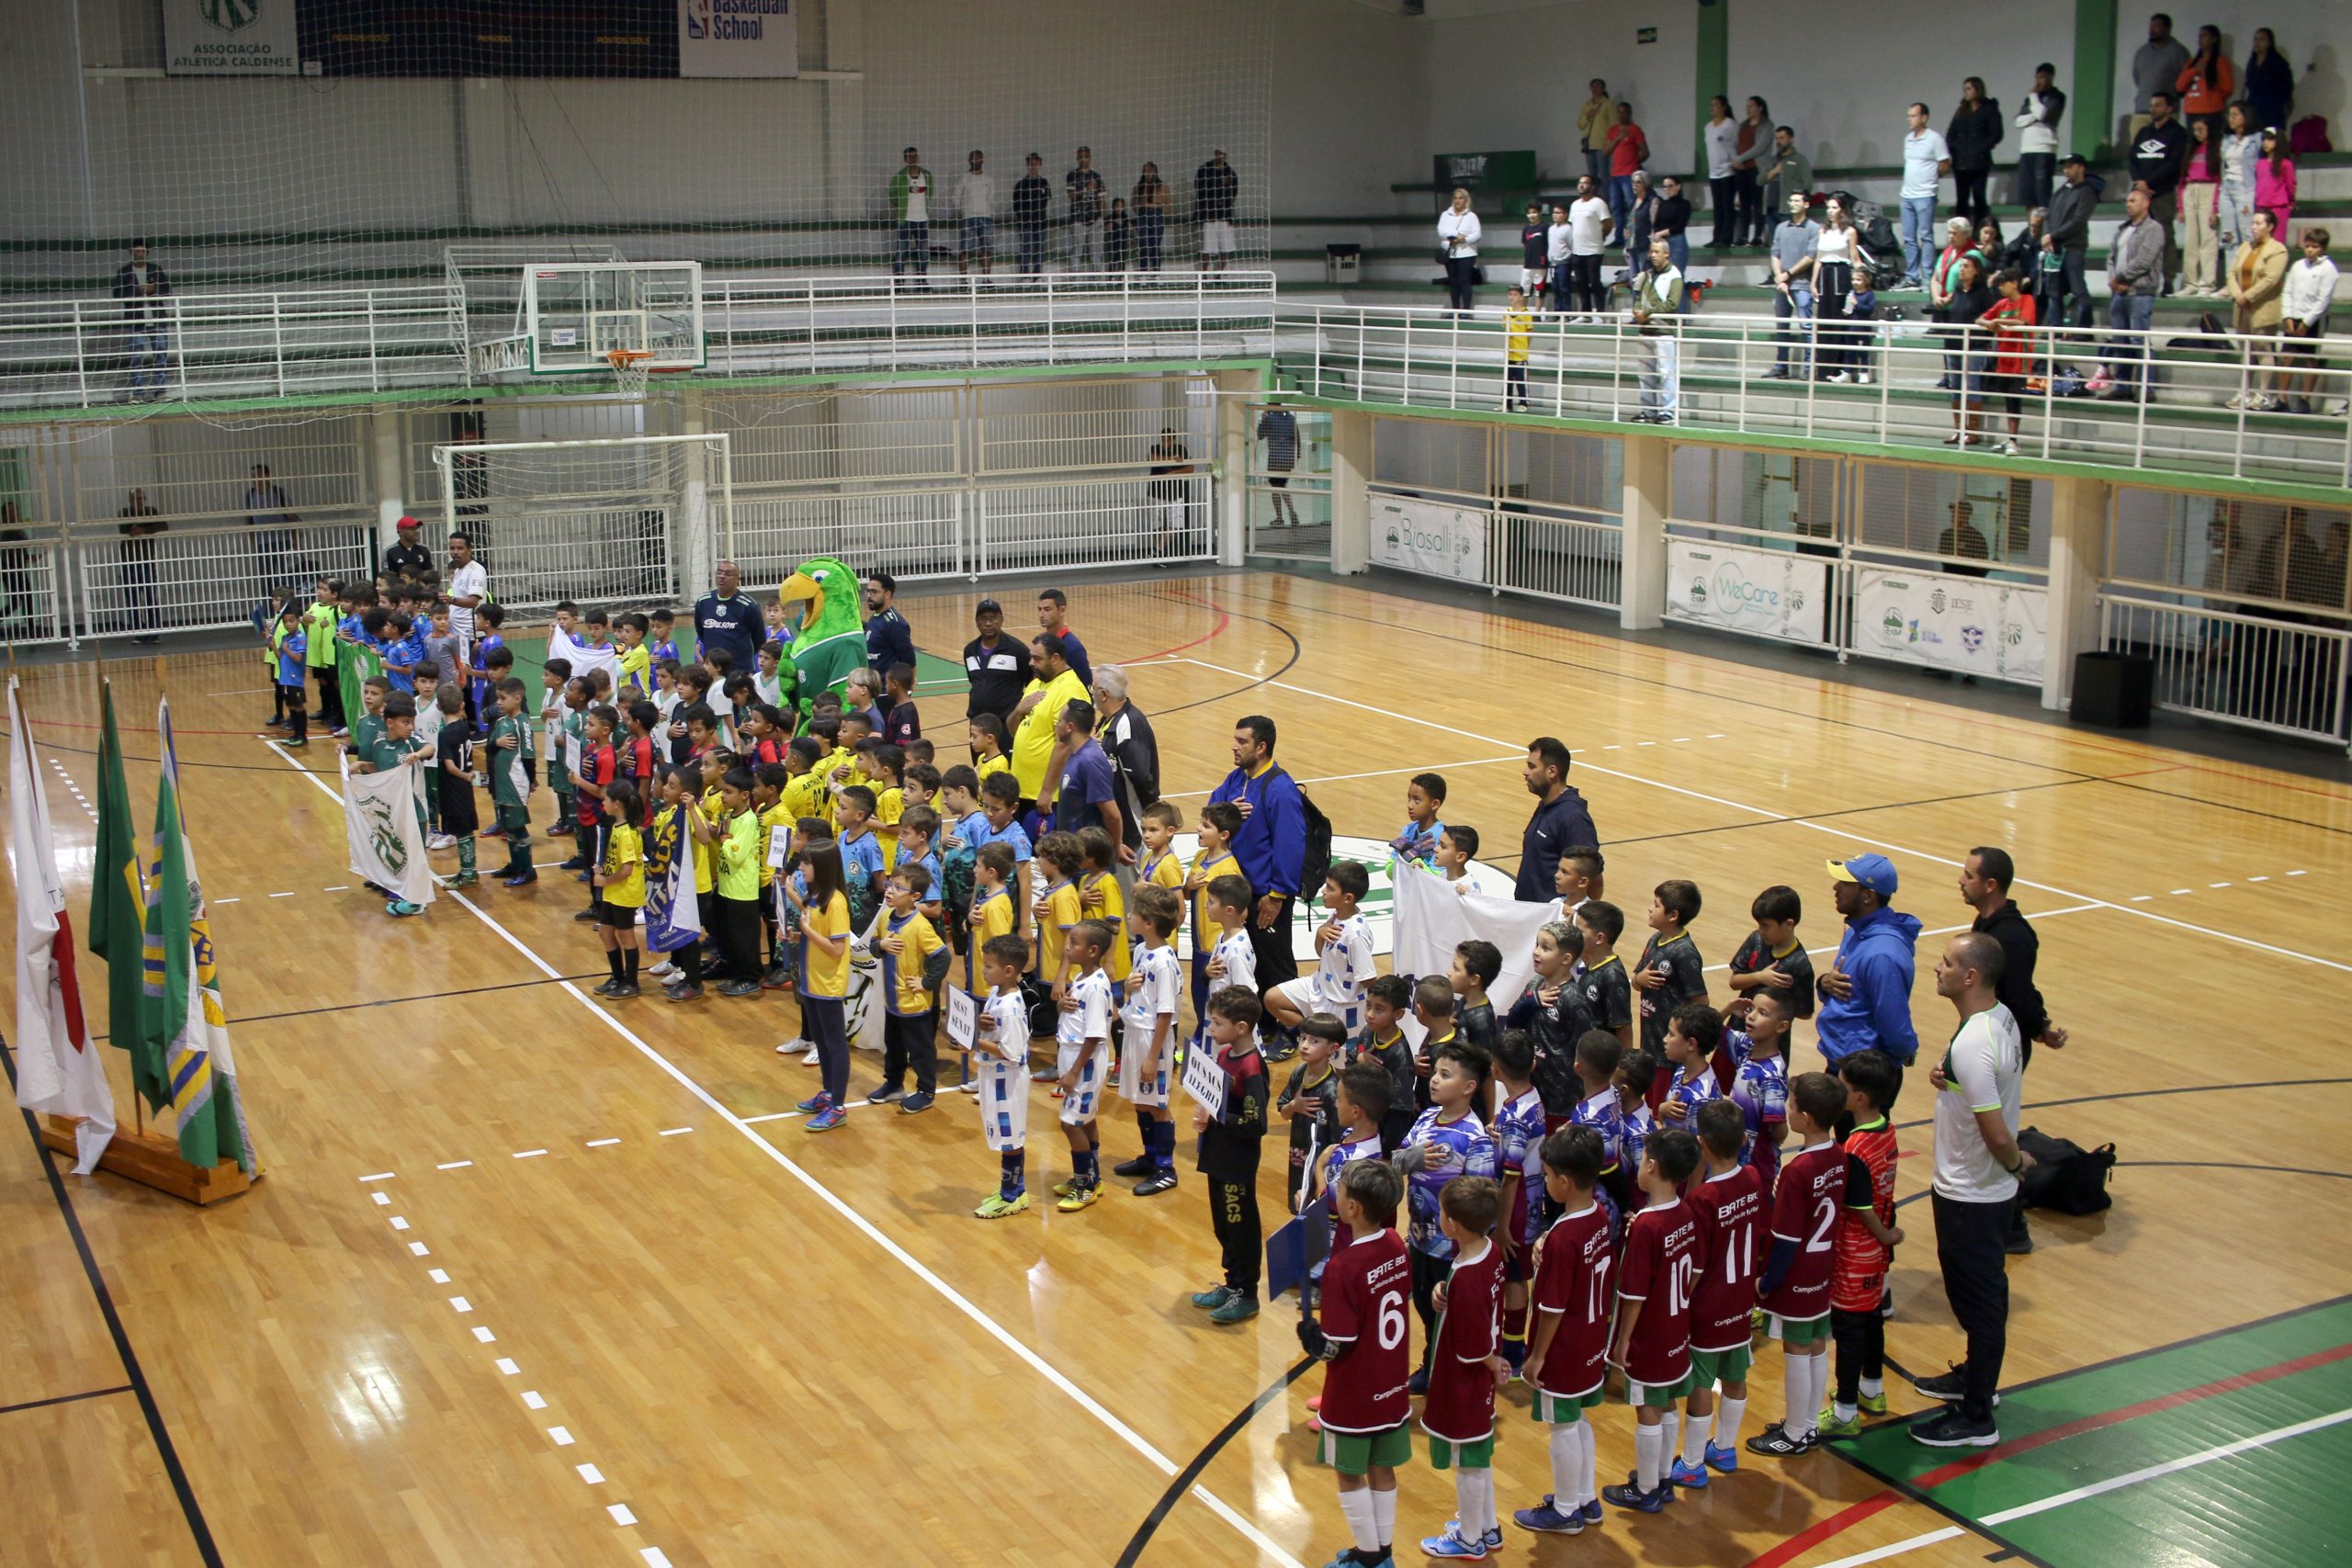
x=526, y=1274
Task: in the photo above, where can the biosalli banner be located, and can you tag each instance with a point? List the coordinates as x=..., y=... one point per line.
x=1967, y=625
x=1774, y=593
x=1431, y=538
x=738, y=38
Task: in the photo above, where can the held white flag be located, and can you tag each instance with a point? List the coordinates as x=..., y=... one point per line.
x=58, y=1069
x=380, y=825
x=1432, y=918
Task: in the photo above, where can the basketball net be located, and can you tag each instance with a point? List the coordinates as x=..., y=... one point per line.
x=632, y=368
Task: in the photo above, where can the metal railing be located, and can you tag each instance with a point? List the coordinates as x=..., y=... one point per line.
x=2204, y=412
x=76, y=584
x=2260, y=673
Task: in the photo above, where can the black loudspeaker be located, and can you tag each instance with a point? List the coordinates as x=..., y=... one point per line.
x=2114, y=690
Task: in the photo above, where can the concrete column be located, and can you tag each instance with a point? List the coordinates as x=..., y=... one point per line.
x=1351, y=494
x=1230, y=464
x=1642, y=583
x=387, y=462
x=2078, y=513
x=697, y=544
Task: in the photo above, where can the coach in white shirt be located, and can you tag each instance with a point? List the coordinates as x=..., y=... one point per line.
x=1458, y=232
x=1978, y=1087
x=468, y=588
x=1589, y=222
x=976, y=206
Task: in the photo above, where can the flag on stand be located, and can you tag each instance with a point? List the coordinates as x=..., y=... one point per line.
x=184, y=1019
x=353, y=667
x=58, y=1068
x=118, y=912
x=672, y=913
x=383, y=828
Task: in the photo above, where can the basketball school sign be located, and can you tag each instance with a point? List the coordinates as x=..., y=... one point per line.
x=738, y=38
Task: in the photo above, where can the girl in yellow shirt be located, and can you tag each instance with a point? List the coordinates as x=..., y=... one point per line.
x=825, y=927
x=620, y=888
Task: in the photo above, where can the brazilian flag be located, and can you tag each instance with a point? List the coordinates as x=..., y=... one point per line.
x=119, y=913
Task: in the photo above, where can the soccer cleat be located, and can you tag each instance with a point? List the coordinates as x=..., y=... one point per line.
x=816, y=1102
x=1950, y=1385
x=1153, y=1186
x=1237, y=1308
x=1213, y=1297
x=1722, y=1461
x=826, y=1120
x=1077, y=1197
x=1953, y=1429
x=1549, y=1518
x=1631, y=1495
x=884, y=1095
x=463, y=879
x=1139, y=1165
x=1874, y=1404
x=1774, y=1442
x=1828, y=1425
x=914, y=1104
x=1693, y=1476
x=1452, y=1546
x=997, y=1206
x=1065, y=1187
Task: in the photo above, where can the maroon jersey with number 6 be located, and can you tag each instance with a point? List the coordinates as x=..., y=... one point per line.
x=1461, y=1404
x=1367, y=1309
x=1573, y=1282
x=1805, y=1205
x=1662, y=1264
x=1730, y=1211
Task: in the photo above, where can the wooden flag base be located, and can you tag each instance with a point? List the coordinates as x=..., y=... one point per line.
x=152, y=1160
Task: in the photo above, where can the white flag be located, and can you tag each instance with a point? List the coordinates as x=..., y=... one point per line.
x=387, y=841
x=1432, y=918
x=58, y=1069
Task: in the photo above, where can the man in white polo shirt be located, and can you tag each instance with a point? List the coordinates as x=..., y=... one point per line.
x=1978, y=1087
x=1926, y=161
x=1590, y=224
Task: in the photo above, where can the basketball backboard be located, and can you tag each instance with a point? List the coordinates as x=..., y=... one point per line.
x=576, y=313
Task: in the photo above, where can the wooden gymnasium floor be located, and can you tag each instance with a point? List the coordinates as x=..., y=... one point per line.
x=534, y=1279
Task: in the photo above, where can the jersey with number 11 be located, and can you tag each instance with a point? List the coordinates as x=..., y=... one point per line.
x=1730, y=1211
x=1367, y=1312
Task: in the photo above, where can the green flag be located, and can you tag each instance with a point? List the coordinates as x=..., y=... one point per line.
x=182, y=1020
x=118, y=912
x=354, y=665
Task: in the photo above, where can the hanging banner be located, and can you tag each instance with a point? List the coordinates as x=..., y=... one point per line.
x=738, y=38
x=230, y=37
x=1432, y=919
x=1429, y=537
x=384, y=831
x=1775, y=594
x=1970, y=625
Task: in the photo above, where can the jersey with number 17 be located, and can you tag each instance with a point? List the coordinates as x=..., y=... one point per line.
x=1367, y=1307
x=1730, y=1211
x=1575, y=1283
x=1807, y=1203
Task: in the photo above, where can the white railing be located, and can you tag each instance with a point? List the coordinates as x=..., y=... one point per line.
x=1710, y=371
x=95, y=583
x=2260, y=673
x=1577, y=559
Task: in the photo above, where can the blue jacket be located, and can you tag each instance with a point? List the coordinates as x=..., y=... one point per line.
x=1879, y=955
x=888, y=641
x=1272, y=840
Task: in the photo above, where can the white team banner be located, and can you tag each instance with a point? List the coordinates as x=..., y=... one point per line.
x=379, y=823
x=230, y=37
x=738, y=38
x=1432, y=919
x=1774, y=593
x=581, y=657
x=1429, y=537
x=1971, y=625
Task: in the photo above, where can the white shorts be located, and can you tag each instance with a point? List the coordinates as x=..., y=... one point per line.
x=1530, y=278
x=1306, y=994
x=1084, y=1099
x=1003, y=1096
x=1154, y=1092
x=1216, y=238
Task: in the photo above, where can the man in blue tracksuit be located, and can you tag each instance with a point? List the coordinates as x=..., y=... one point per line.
x=1270, y=845
x=1866, y=993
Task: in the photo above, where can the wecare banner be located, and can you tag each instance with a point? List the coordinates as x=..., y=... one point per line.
x=1775, y=594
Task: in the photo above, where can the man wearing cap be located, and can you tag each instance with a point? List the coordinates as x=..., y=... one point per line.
x=1866, y=992
x=1561, y=821
x=2067, y=236
x=407, y=558
x=730, y=618
x=996, y=665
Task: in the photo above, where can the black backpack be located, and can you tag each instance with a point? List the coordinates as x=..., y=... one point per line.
x=2065, y=1176
x=1315, y=864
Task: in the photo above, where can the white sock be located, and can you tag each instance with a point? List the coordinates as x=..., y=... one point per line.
x=1490, y=1513
x=1590, y=1491
x=1649, y=1442
x=1384, y=1516
x=1695, y=1440
x=1843, y=1411
x=1873, y=1387
x=1357, y=1506
x=1796, y=1384
x=1466, y=1504
x=1729, y=1413
x=1816, y=1385
x=1567, y=1464
x=1669, y=1440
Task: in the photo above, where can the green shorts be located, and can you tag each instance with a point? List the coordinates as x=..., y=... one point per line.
x=1709, y=1367
x=1659, y=1396
x=1564, y=1409
x=1354, y=1453
x=1446, y=1455
x=1812, y=1331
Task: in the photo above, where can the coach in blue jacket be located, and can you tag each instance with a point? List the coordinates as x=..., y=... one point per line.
x=1270, y=845
x=1866, y=994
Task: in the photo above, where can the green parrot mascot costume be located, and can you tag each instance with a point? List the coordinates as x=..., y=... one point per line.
x=830, y=639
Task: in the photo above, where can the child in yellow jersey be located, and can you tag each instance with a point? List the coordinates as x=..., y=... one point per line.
x=804, y=793
x=688, y=834
x=994, y=914
x=823, y=912
x=882, y=770
x=911, y=1019
x=1220, y=819
x=1100, y=898
x=1518, y=326
x=620, y=888
x=767, y=799
x=1059, y=861
x=1160, y=865
x=991, y=747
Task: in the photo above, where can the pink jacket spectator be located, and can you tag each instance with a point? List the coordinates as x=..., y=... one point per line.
x=2274, y=192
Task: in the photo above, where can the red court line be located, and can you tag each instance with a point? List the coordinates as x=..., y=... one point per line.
x=1223, y=620
x=1845, y=1519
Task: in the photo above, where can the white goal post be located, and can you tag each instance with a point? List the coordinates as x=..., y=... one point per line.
x=616, y=521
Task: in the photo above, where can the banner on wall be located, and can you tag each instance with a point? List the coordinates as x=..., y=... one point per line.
x=1429, y=537
x=1970, y=625
x=738, y=38
x=230, y=37
x=1774, y=593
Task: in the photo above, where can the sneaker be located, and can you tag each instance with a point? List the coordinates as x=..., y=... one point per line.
x=1774, y=1442
x=1494, y=1537
x=2238, y=401
x=815, y=1058
x=1874, y=1404
x=604, y=990
x=1590, y=1513
x=403, y=909
x=2009, y=447
x=740, y=988
x=1722, y=1461
x=1453, y=1546
x=1839, y=378
x=623, y=991
x=826, y=1120
x=1828, y=1425
x=816, y=1103
x=1954, y=1429
x=1141, y=1164
x=1693, y=1476
x=1631, y=1495
x=915, y=1104
x=681, y=992
x=2019, y=1240
x=583, y=917
x=298, y=741
x=1046, y=1075
x=463, y=879
x=1154, y=1185
x=666, y=966
x=1077, y=1197
x=1237, y=1308
x=441, y=841
x=522, y=879
x=1776, y=374
x=340, y=732
x=884, y=1095
x=575, y=863
x=1214, y=1297
x=1065, y=1187
x=1950, y=1385
x=1954, y=439
x=997, y=1206
x=775, y=977
x=1549, y=1519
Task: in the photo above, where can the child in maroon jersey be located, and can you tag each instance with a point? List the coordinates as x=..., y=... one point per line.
x=1566, y=1359
x=1663, y=1262
x=1465, y=1370
x=1807, y=1203
x=1365, y=1341
x=1729, y=1202
x=1864, y=1251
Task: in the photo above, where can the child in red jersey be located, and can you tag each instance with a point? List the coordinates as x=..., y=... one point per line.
x=1806, y=1202
x=1729, y=1202
x=1867, y=1238
x=1366, y=1338
x=1466, y=1369
x=1566, y=1357
x=1662, y=1265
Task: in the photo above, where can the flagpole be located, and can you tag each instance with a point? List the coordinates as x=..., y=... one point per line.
x=114, y=1026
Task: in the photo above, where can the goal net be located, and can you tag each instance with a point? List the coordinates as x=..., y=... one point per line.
x=625, y=523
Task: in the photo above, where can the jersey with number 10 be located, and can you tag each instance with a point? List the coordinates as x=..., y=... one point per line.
x=1663, y=1259
x=1806, y=1204
x=1730, y=1211
x=1367, y=1305
x=1575, y=1283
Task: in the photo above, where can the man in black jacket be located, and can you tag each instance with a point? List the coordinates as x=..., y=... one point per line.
x=2068, y=234
x=140, y=285
x=1985, y=879
x=1033, y=202
x=2159, y=154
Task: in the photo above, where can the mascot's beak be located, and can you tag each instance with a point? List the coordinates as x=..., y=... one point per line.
x=801, y=586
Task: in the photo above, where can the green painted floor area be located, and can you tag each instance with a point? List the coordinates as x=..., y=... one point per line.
x=2262, y=1508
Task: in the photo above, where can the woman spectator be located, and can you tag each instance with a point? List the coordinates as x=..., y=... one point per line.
x=1118, y=237
x=2310, y=290
x=2269, y=83
x=1751, y=155
x=1974, y=131
x=2273, y=182
x=2200, y=212
x=1458, y=232
x=1628, y=150
x=1151, y=217
x=1836, y=250
x=1716, y=136
x=1969, y=302
x=2257, y=287
x=1943, y=277
x=1989, y=246
x=2240, y=148
x=2015, y=361
x=1669, y=216
x=2207, y=81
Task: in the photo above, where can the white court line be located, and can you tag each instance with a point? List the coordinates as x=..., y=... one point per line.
x=1265, y=1544
x=1778, y=816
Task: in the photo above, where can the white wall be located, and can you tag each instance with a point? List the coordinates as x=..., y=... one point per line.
x=1350, y=89
x=2311, y=34
x=1507, y=80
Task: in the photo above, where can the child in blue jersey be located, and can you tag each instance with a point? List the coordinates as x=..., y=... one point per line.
x=911, y=1021
x=663, y=644
x=992, y=912
x=1000, y=1056
x=1635, y=1076
x=1416, y=842
x=1082, y=1058
x=999, y=812
x=1149, y=1018
x=862, y=863
x=292, y=644
x=918, y=831
x=1759, y=1082
x=1343, y=957
x=1518, y=1128
x=1446, y=1141
x=488, y=639
x=1691, y=1035
x=1598, y=1055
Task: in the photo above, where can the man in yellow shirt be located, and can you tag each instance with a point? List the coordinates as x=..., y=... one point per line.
x=1053, y=686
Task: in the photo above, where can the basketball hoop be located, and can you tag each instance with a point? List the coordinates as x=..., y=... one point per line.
x=631, y=369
